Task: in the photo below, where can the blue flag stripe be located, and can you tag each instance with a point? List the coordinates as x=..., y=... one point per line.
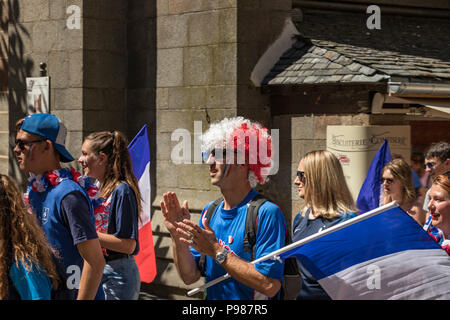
x=370, y=192
x=139, y=152
x=386, y=233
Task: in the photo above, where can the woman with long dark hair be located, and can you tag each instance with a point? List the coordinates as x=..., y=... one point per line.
x=105, y=157
x=27, y=268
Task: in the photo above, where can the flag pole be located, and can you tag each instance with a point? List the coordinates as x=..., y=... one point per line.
x=275, y=255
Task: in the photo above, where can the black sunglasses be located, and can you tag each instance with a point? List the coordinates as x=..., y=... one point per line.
x=21, y=144
x=301, y=175
x=388, y=180
x=430, y=165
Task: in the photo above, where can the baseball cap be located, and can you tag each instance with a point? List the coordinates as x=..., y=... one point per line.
x=49, y=127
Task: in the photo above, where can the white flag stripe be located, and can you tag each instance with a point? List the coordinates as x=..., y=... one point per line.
x=411, y=274
x=144, y=189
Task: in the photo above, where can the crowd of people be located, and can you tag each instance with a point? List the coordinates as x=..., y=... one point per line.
x=74, y=236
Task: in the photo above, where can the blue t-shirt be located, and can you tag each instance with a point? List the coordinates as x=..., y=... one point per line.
x=124, y=215
x=67, y=218
x=229, y=227
x=30, y=285
x=302, y=228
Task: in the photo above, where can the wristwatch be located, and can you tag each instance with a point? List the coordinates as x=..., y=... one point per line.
x=221, y=256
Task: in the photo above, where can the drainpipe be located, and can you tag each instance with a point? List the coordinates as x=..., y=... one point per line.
x=419, y=89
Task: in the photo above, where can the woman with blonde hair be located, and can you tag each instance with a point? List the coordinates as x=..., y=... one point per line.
x=398, y=186
x=27, y=268
x=328, y=201
x=105, y=157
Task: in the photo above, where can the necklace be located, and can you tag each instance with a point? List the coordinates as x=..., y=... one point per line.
x=51, y=179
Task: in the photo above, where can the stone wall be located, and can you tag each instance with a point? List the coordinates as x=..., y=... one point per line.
x=38, y=33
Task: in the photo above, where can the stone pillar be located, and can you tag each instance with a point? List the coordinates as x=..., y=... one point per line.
x=104, y=69
x=206, y=51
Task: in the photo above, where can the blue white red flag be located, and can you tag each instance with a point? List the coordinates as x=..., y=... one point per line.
x=383, y=256
x=371, y=193
x=139, y=150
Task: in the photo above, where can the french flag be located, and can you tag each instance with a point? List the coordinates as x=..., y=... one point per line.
x=371, y=194
x=139, y=150
x=382, y=255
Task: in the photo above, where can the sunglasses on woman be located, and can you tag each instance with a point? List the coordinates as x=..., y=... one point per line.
x=387, y=180
x=301, y=175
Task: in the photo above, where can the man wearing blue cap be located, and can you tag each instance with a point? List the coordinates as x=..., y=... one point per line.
x=60, y=204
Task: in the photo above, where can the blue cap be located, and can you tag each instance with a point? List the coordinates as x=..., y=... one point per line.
x=50, y=128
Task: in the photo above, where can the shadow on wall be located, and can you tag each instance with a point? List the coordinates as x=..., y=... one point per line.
x=19, y=68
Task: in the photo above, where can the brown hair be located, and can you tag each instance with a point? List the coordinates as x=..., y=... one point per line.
x=118, y=168
x=326, y=191
x=21, y=236
x=443, y=181
x=402, y=171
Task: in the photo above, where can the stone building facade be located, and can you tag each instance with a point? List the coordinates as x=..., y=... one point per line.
x=173, y=63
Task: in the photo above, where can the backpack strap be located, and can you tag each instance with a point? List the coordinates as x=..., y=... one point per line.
x=207, y=217
x=251, y=225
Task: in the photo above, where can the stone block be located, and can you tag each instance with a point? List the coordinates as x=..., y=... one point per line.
x=4, y=141
x=301, y=147
x=107, y=9
x=223, y=4
x=225, y=64
x=203, y=28
x=44, y=36
x=4, y=121
x=166, y=174
x=194, y=176
x=197, y=199
x=170, y=67
x=222, y=97
x=34, y=10
x=169, y=121
x=4, y=165
x=302, y=127
x=198, y=65
x=143, y=98
x=162, y=7
x=72, y=119
x=58, y=69
x=67, y=99
x=76, y=68
x=172, y=31
x=219, y=114
x=228, y=25
x=57, y=9
x=106, y=120
x=321, y=122
x=74, y=141
x=4, y=105
x=186, y=97
x=104, y=69
x=163, y=146
x=162, y=98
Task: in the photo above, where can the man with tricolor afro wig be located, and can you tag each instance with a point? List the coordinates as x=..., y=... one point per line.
x=249, y=140
x=239, y=154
